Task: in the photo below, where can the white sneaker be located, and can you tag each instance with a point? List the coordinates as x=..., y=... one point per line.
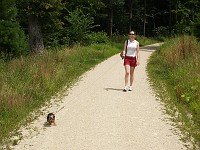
x=125, y=89
x=130, y=88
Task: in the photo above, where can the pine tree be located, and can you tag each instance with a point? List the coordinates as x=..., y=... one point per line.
x=13, y=40
x=196, y=30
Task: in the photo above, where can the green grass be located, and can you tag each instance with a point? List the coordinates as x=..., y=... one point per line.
x=174, y=71
x=26, y=83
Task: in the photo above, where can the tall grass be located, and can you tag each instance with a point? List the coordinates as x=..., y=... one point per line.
x=175, y=68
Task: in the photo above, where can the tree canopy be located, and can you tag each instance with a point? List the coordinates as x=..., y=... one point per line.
x=50, y=23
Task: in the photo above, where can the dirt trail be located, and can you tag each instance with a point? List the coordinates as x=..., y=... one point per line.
x=97, y=115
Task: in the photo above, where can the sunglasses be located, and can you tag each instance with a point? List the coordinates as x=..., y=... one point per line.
x=131, y=34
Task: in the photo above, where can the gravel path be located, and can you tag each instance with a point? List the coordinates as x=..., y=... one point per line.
x=97, y=115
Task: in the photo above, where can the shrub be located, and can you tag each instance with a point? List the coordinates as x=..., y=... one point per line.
x=99, y=37
x=161, y=32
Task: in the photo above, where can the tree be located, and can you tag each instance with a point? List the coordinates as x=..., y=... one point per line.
x=79, y=25
x=196, y=28
x=111, y=6
x=186, y=14
x=144, y=19
x=43, y=18
x=78, y=19
x=12, y=41
x=131, y=15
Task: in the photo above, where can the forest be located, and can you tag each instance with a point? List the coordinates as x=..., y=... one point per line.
x=30, y=26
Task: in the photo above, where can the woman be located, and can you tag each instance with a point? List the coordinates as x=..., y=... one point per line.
x=131, y=60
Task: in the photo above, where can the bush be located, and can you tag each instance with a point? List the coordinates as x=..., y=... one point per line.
x=99, y=37
x=161, y=32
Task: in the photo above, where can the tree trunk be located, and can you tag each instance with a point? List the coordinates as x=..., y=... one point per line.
x=111, y=22
x=170, y=17
x=144, y=30
x=131, y=15
x=35, y=34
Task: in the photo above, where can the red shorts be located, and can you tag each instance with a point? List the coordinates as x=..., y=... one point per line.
x=131, y=61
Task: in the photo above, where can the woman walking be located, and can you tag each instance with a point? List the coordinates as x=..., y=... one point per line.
x=131, y=60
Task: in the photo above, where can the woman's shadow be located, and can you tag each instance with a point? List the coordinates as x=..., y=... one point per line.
x=113, y=89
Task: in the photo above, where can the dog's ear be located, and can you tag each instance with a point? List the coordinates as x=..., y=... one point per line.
x=47, y=116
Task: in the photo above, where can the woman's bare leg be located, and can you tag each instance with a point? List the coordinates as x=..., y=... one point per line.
x=131, y=75
x=127, y=73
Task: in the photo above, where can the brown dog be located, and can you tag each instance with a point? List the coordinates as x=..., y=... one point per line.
x=51, y=119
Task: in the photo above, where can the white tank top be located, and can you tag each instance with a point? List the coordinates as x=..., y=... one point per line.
x=131, y=48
